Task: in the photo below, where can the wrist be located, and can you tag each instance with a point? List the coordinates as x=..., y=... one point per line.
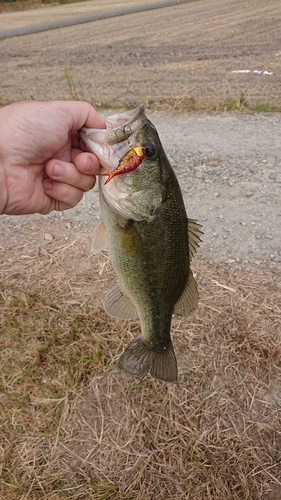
x=3, y=188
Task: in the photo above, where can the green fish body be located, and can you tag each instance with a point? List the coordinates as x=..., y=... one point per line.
x=150, y=243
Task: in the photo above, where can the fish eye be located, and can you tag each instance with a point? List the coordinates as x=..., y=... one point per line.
x=149, y=150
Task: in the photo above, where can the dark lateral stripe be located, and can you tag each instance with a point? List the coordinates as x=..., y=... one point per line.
x=87, y=18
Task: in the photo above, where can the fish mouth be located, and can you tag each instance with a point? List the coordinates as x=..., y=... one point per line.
x=112, y=144
x=125, y=124
x=119, y=128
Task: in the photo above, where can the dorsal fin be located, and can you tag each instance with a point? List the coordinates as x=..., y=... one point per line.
x=194, y=237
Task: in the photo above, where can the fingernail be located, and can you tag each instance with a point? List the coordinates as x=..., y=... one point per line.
x=89, y=165
x=58, y=170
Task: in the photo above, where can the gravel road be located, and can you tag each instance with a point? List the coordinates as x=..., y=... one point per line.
x=229, y=168
x=228, y=165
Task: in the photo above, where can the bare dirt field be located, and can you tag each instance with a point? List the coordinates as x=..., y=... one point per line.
x=72, y=425
x=188, y=52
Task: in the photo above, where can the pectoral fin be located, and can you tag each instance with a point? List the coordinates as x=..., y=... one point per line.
x=144, y=204
x=99, y=238
x=118, y=304
x=194, y=237
x=189, y=298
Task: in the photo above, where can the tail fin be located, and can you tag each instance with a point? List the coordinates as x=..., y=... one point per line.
x=139, y=359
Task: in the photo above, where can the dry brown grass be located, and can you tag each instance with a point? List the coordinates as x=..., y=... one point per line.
x=72, y=426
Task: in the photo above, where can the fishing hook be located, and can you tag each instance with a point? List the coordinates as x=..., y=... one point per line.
x=123, y=130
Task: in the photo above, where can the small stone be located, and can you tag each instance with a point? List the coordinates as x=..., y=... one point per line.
x=231, y=261
x=48, y=237
x=273, y=176
x=68, y=225
x=269, y=236
x=258, y=237
x=243, y=223
x=203, y=281
x=31, y=410
x=253, y=223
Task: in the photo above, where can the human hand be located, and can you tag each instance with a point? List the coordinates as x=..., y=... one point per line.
x=44, y=165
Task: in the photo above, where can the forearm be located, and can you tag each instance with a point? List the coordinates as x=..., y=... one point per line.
x=4, y=113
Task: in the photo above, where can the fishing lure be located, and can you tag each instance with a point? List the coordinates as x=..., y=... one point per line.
x=130, y=161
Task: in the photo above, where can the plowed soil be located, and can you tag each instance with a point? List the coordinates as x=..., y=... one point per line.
x=194, y=51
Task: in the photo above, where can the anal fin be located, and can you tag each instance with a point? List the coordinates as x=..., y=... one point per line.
x=139, y=359
x=189, y=298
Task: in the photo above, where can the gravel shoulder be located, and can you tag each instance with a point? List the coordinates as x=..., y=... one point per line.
x=229, y=169
x=228, y=165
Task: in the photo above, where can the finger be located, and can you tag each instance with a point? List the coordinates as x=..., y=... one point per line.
x=67, y=173
x=80, y=114
x=63, y=196
x=87, y=163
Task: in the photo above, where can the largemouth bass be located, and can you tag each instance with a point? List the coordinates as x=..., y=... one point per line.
x=150, y=241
